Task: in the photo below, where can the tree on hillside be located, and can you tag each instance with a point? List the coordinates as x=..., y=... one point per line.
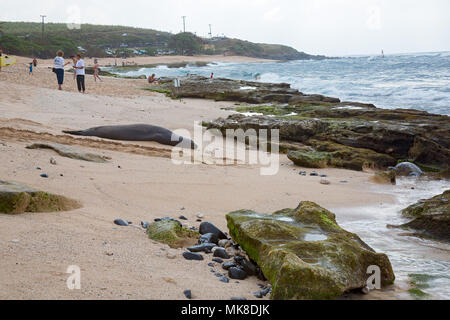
x=186, y=43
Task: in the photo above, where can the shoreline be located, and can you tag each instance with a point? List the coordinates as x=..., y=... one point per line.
x=124, y=263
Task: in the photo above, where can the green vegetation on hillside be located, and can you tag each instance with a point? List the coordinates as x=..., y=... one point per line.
x=25, y=38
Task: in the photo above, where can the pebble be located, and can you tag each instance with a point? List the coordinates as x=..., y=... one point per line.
x=182, y=218
x=53, y=161
x=325, y=181
x=258, y=295
x=218, y=260
x=209, y=238
x=302, y=173
x=211, y=265
x=221, y=253
x=323, y=175
x=224, y=243
x=204, y=247
x=246, y=265
x=44, y=175
x=314, y=174
x=228, y=265
x=171, y=254
x=192, y=256
x=15, y=241
x=187, y=294
x=145, y=224
x=224, y=279
x=121, y=223
x=237, y=273
x=200, y=215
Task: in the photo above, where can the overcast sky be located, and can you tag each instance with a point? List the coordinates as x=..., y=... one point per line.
x=331, y=27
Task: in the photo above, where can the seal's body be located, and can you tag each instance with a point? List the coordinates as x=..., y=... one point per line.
x=136, y=132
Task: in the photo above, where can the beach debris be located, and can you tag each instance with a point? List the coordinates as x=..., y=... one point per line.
x=121, y=222
x=53, y=161
x=192, y=256
x=275, y=242
x=70, y=152
x=16, y=198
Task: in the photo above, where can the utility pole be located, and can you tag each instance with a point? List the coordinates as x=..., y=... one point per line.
x=184, y=23
x=210, y=31
x=43, y=23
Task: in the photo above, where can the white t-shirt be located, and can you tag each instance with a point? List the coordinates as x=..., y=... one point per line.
x=59, y=63
x=80, y=72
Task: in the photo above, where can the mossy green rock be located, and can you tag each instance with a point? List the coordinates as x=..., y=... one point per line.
x=309, y=159
x=172, y=233
x=305, y=254
x=431, y=217
x=16, y=198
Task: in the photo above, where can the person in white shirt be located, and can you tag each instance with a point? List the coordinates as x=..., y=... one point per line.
x=80, y=72
x=59, y=68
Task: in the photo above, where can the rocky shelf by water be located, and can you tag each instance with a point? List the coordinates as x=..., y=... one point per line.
x=318, y=131
x=430, y=217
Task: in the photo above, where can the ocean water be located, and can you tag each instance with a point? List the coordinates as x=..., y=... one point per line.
x=418, y=81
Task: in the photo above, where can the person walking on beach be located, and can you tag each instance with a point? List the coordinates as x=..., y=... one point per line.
x=30, y=68
x=59, y=68
x=80, y=72
x=96, y=71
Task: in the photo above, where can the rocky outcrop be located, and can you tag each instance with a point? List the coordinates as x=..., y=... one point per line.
x=16, y=198
x=70, y=152
x=342, y=134
x=305, y=254
x=172, y=233
x=431, y=217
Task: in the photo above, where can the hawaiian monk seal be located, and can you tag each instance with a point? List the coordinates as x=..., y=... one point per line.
x=408, y=169
x=137, y=132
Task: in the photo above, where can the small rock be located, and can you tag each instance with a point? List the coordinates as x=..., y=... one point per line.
x=44, y=175
x=314, y=174
x=204, y=247
x=224, y=243
x=192, y=256
x=224, y=279
x=171, y=254
x=248, y=266
x=199, y=220
x=187, y=294
x=258, y=295
x=208, y=238
x=15, y=241
x=200, y=215
x=221, y=253
x=323, y=175
x=144, y=224
x=182, y=218
x=228, y=265
x=121, y=223
x=325, y=181
x=365, y=290
x=211, y=265
x=265, y=291
x=237, y=273
x=218, y=260
x=302, y=173
x=53, y=161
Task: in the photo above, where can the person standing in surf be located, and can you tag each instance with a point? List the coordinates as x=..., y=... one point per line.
x=59, y=68
x=80, y=72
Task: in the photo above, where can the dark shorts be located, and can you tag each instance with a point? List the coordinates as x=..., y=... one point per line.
x=60, y=75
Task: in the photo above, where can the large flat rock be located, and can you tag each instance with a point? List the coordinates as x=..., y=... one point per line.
x=305, y=254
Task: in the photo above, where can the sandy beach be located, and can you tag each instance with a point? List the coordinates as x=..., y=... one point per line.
x=139, y=183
